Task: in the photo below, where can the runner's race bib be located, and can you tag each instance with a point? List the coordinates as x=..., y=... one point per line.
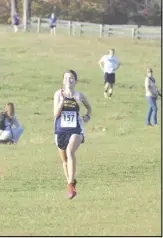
x=68, y=119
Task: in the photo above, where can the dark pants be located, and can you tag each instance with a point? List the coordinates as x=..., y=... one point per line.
x=52, y=26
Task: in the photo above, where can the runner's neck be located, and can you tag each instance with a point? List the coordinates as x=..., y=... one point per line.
x=69, y=93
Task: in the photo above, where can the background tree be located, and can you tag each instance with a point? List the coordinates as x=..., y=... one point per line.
x=140, y=12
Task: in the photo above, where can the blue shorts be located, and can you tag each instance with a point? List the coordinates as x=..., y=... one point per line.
x=62, y=140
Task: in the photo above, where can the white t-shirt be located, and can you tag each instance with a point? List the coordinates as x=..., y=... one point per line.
x=150, y=87
x=110, y=63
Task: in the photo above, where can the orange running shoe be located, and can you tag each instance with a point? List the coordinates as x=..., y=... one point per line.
x=71, y=191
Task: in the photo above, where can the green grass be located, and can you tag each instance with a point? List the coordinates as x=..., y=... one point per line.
x=118, y=170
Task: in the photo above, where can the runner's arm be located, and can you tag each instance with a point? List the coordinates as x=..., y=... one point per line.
x=58, y=104
x=117, y=65
x=87, y=106
x=101, y=63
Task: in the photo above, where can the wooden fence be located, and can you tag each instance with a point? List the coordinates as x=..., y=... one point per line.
x=101, y=31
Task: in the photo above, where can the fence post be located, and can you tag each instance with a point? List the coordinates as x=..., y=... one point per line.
x=69, y=28
x=101, y=31
x=138, y=34
x=81, y=30
x=38, y=24
x=73, y=29
x=109, y=31
x=133, y=33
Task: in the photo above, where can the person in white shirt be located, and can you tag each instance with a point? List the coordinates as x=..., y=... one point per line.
x=152, y=94
x=10, y=128
x=109, y=64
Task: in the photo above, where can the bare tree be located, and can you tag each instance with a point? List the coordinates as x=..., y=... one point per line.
x=26, y=13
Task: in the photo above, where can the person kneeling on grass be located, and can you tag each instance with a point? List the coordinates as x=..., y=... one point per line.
x=152, y=94
x=68, y=126
x=10, y=128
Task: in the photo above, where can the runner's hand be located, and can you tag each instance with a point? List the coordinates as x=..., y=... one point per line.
x=62, y=97
x=86, y=118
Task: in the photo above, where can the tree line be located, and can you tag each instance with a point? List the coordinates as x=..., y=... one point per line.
x=140, y=12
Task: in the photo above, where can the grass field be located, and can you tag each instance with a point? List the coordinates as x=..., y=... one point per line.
x=118, y=170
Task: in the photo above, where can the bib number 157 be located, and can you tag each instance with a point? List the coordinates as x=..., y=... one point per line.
x=68, y=119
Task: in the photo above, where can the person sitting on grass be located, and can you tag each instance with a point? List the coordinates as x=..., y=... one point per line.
x=10, y=128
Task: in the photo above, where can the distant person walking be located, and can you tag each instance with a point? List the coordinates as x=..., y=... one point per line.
x=109, y=63
x=152, y=94
x=52, y=21
x=16, y=21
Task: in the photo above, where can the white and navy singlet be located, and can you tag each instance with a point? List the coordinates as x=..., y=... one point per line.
x=69, y=120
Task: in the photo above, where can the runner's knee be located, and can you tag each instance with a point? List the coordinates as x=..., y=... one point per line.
x=70, y=153
x=64, y=163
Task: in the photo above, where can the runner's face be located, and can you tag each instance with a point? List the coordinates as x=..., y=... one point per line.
x=69, y=81
x=149, y=73
x=112, y=52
